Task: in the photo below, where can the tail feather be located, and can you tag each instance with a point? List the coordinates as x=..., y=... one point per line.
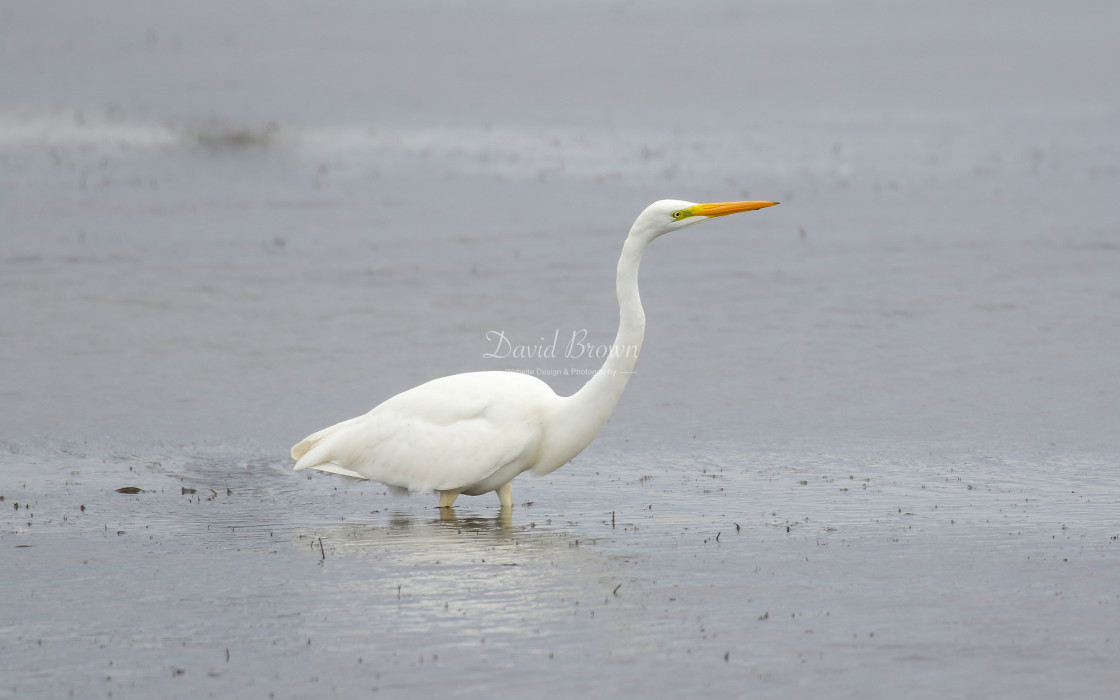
x=305, y=445
x=315, y=452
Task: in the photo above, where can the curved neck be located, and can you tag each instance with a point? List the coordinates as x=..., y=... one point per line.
x=593, y=404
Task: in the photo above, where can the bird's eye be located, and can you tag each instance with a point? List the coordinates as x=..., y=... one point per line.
x=678, y=214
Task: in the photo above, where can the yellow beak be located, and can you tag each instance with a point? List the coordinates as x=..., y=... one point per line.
x=725, y=208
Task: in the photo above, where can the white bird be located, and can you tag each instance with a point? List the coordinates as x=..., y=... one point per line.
x=473, y=433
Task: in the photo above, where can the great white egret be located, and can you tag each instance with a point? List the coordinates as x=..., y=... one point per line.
x=473, y=433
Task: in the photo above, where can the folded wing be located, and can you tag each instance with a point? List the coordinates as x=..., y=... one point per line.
x=449, y=434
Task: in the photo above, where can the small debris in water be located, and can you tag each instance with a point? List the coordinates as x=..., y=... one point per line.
x=130, y=489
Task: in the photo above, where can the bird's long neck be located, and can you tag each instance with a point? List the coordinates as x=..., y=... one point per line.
x=590, y=407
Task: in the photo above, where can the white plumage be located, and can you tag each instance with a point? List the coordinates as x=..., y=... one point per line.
x=450, y=434
x=473, y=433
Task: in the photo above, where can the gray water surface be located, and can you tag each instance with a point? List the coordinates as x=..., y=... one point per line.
x=870, y=449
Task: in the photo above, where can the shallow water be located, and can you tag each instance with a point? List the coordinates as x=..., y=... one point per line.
x=716, y=571
x=870, y=449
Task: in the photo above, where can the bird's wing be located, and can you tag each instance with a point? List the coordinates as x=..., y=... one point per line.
x=445, y=435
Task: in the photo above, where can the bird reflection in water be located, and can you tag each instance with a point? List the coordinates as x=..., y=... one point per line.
x=424, y=533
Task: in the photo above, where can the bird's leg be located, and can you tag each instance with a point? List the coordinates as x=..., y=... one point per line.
x=447, y=498
x=447, y=515
x=505, y=494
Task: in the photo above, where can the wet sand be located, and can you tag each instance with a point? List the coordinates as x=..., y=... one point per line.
x=870, y=449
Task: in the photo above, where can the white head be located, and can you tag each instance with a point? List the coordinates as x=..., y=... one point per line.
x=668, y=215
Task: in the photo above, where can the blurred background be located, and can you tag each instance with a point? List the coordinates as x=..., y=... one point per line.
x=238, y=221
